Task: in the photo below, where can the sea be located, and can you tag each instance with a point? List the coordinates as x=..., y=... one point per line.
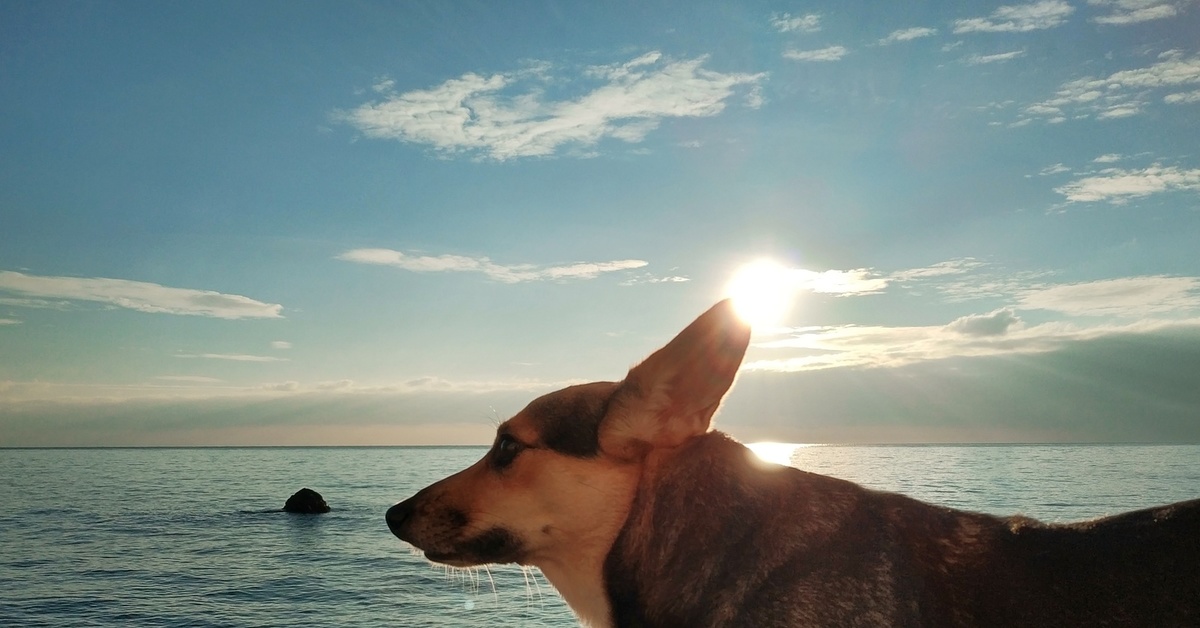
x=195, y=536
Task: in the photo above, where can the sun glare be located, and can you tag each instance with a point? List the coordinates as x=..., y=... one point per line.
x=762, y=292
x=777, y=453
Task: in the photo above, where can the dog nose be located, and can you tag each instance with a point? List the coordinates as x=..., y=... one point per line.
x=397, y=515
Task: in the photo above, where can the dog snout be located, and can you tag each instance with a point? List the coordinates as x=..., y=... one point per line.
x=398, y=515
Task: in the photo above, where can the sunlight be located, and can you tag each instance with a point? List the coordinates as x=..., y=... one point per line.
x=777, y=453
x=762, y=292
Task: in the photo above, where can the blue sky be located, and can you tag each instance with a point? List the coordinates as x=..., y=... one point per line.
x=319, y=223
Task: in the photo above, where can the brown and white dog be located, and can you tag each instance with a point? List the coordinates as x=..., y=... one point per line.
x=640, y=515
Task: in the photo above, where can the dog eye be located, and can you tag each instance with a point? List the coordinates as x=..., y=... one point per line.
x=506, y=450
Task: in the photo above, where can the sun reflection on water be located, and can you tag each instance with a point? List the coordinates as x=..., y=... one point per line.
x=778, y=453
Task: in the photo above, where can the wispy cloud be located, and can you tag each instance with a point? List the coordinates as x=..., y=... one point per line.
x=1124, y=93
x=234, y=357
x=650, y=278
x=9, y=321
x=1126, y=296
x=189, y=379
x=994, y=334
x=907, y=34
x=514, y=273
x=994, y=58
x=280, y=344
x=1183, y=98
x=1019, y=18
x=787, y=23
x=1124, y=12
x=506, y=116
x=958, y=266
x=1119, y=186
x=831, y=53
x=134, y=295
x=840, y=282
x=1107, y=158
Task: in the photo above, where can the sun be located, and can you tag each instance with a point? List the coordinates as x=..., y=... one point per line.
x=762, y=292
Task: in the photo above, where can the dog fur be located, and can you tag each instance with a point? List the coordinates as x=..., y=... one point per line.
x=640, y=515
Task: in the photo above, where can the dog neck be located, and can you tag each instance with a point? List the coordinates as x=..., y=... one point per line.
x=580, y=581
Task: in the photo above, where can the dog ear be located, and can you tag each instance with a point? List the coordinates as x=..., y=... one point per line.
x=674, y=393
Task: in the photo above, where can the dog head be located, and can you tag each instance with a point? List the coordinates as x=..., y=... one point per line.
x=557, y=484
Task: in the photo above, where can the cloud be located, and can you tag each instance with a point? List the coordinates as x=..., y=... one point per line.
x=949, y=267
x=137, y=295
x=9, y=321
x=1121, y=94
x=1109, y=158
x=507, y=116
x=1055, y=169
x=498, y=272
x=1132, y=386
x=235, y=357
x=1019, y=18
x=995, y=323
x=422, y=411
x=840, y=282
x=853, y=346
x=1119, y=186
x=649, y=278
x=1126, y=296
x=996, y=58
x=787, y=23
x=907, y=34
x=1135, y=11
x=281, y=344
x=832, y=53
x=1183, y=98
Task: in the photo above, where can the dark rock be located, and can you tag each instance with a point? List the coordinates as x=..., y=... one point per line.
x=306, y=501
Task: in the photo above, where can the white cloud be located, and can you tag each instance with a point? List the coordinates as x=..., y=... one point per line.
x=9, y=321
x=840, y=282
x=1019, y=18
x=995, y=58
x=1108, y=158
x=832, y=53
x=890, y=347
x=506, y=116
x=995, y=323
x=136, y=295
x=503, y=273
x=998, y=284
x=649, y=278
x=281, y=344
x=1126, y=296
x=1119, y=186
x=1135, y=11
x=1124, y=93
x=786, y=23
x=234, y=357
x=383, y=85
x=1123, y=111
x=1183, y=98
x=1055, y=169
x=907, y=34
x=941, y=269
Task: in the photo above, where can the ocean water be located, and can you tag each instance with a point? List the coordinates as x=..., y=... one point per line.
x=192, y=537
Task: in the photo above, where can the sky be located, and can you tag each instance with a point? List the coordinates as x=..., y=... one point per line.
x=320, y=223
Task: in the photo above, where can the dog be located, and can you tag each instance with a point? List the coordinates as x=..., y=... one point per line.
x=641, y=515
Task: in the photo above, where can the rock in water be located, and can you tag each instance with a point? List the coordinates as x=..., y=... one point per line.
x=306, y=501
